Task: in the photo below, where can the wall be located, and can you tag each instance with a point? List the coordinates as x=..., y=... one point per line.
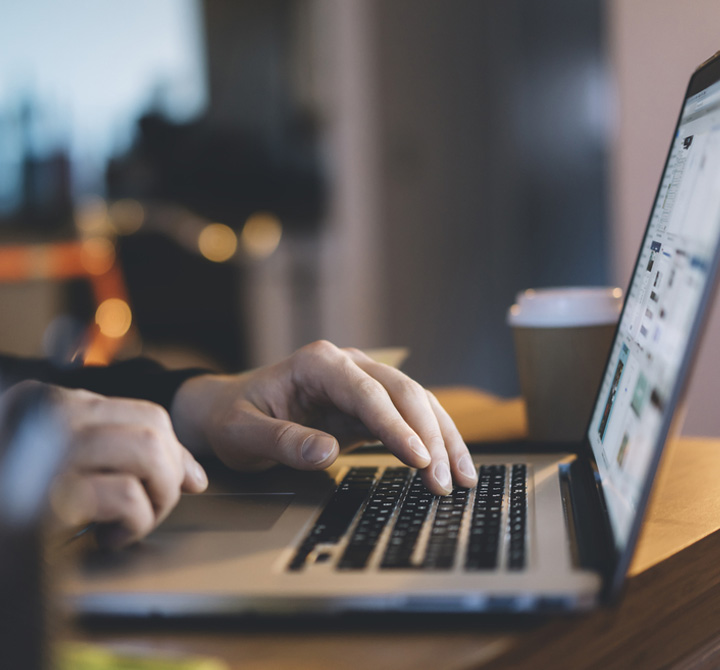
x=465, y=145
x=490, y=173
x=654, y=46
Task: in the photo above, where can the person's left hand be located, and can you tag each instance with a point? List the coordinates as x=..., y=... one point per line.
x=124, y=469
x=305, y=409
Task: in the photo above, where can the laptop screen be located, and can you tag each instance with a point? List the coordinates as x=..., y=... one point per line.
x=661, y=313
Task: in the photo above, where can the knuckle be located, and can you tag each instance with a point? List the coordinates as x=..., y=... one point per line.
x=156, y=414
x=320, y=349
x=151, y=440
x=434, y=437
x=155, y=448
x=131, y=492
x=90, y=401
x=370, y=389
x=410, y=387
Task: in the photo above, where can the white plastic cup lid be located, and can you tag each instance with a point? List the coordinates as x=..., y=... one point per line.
x=566, y=307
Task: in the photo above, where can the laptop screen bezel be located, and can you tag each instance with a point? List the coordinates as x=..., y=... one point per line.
x=707, y=74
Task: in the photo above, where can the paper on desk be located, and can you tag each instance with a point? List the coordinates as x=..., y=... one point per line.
x=76, y=656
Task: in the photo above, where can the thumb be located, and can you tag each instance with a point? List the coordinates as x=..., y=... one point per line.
x=195, y=479
x=286, y=442
x=318, y=450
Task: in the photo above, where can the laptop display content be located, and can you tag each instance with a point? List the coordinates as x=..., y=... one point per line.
x=661, y=314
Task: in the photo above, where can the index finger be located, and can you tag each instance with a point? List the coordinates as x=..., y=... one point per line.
x=326, y=371
x=420, y=408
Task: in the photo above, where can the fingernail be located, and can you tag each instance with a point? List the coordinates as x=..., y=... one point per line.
x=419, y=448
x=317, y=448
x=442, y=475
x=198, y=474
x=465, y=465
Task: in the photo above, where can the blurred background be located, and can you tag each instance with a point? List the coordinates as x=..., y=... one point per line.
x=218, y=182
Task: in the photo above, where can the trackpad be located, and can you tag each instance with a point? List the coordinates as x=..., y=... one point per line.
x=226, y=512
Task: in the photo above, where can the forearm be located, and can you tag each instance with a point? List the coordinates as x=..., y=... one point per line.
x=139, y=378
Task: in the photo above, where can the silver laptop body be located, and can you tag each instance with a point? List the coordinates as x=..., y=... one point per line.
x=541, y=532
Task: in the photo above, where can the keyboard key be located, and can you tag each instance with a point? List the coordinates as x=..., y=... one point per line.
x=374, y=518
x=484, y=538
x=411, y=518
x=517, y=514
x=443, y=540
x=401, y=489
x=338, y=514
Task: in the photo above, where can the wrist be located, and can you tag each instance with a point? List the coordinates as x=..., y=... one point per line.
x=190, y=412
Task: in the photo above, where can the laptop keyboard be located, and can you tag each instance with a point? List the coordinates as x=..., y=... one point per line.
x=375, y=517
x=338, y=514
x=401, y=525
x=411, y=519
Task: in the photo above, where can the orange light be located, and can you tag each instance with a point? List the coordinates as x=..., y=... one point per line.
x=97, y=255
x=261, y=234
x=217, y=242
x=113, y=317
x=127, y=216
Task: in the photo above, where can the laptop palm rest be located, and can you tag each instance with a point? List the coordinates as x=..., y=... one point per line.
x=226, y=512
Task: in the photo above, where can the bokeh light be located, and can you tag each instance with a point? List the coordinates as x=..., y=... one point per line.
x=261, y=234
x=217, y=242
x=113, y=317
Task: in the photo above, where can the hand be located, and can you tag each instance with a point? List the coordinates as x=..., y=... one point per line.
x=304, y=410
x=124, y=469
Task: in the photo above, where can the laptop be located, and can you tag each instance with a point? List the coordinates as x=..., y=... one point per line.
x=541, y=532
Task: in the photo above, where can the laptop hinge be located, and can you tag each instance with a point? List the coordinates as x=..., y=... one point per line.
x=590, y=534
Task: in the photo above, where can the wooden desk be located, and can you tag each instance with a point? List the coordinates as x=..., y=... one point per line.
x=668, y=617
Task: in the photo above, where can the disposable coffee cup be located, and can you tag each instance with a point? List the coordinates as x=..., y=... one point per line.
x=562, y=340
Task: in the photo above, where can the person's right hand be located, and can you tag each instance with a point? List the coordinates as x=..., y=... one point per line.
x=303, y=410
x=124, y=469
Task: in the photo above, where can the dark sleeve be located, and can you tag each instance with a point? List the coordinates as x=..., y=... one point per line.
x=139, y=378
